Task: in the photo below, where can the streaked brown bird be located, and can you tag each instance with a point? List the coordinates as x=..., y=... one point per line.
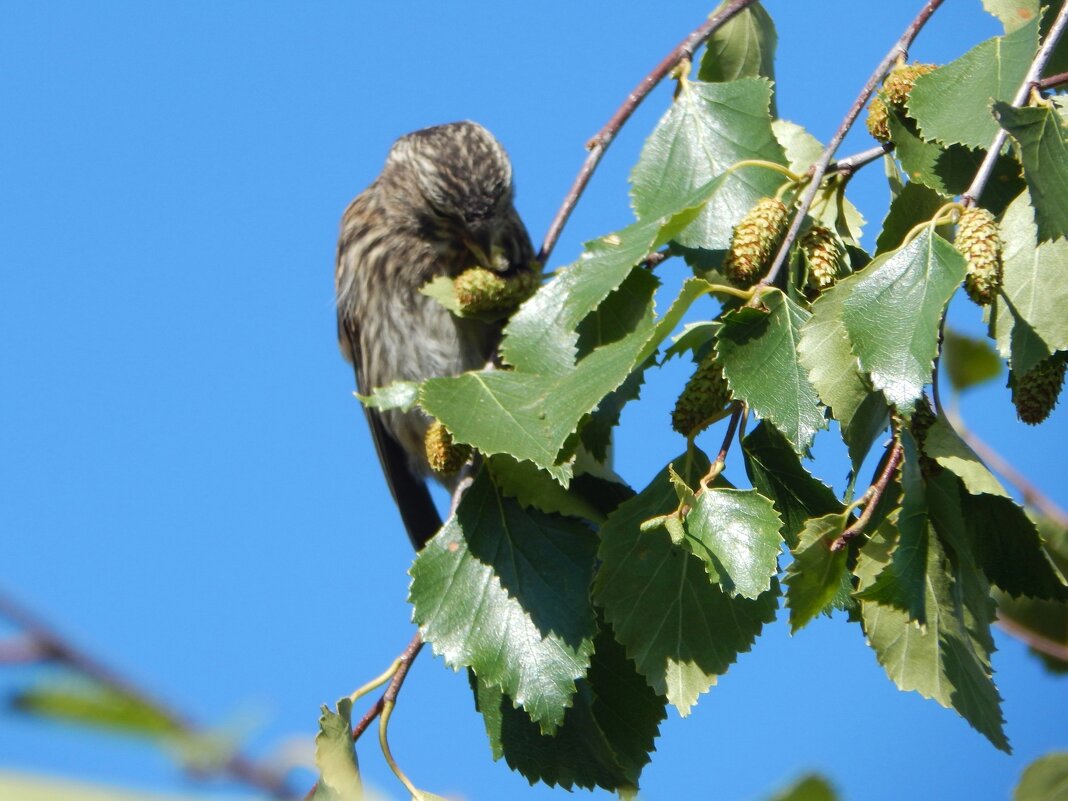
x=442, y=203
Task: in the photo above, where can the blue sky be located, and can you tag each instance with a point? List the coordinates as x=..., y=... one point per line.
x=186, y=483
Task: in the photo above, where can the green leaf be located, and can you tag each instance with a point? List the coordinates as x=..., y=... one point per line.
x=736, y=533
x=1045, y=779
x=828, y=208
x=948, y=660
x=952, y=104
x=403, y=395
x=901, y=584
x=944, y=445
x=824, y=351
x=758, y=351
x=1042, y=135
x=88, y=703
x=535, y=488
x=1040, y=621
x=335, y=756
x=443, y=290
x=894, y=310
x=915, y=204
x=1027, y=317
x=29, y=787
x=812, y=787
x=605, y=739
x=681, y=630
x=773, y=467
x=505, y=590
x=743, y=48
x=709, y=128
x=818, y=576
x=968, y=361
x=1013, y=14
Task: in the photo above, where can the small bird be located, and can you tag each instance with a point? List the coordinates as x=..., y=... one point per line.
x=442, y=203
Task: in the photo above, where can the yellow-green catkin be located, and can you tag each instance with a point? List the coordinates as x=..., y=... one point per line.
x=979, y=242
x=482, y=291
x=1035, y=393
x=444, y=456
x=897, y=86
x=704, y=394
x=823, y=255
x=878, y=120
x=755, y=240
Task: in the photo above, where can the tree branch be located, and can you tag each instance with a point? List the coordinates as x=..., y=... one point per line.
x=1033, y=639
x=1030, y=82
x=1052, y=81
x=819, y=169
x=603, y=138
x=53, y=646
x=871, y=498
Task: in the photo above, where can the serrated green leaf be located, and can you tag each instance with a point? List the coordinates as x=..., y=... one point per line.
x=709, y=128
x=952, y=104
x=894, y=310
x=944, y=445
x=1027, y=317
x=758, y=351
x=834, y=370
x=915, y=204
x=901, y=584
x=681, y=630
x=802, y=151
x=535, y=488
x=736, y=533
x=808, y=788
x=772, y=465
x=505, y=590
x=694, y=338
x=88, y=703
x=1042, y=135
x=742, y=48
x=606, y=737
x=1045, y=779
x=968, y=361
x=948, y=660
x=335, y=756
x=1013, y=14
x=818, y=575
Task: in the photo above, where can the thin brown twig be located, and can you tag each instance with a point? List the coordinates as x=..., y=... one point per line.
x=1052, y=81
x=22, y=650
x=1033, y=639
x=598, y=144
x=1030, y=82
x=819, y=169
x=849, y=165
x=53, y=646
x=871, y=498
x=728, y=437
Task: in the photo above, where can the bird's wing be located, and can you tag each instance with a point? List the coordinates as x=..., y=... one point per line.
x=410, y=493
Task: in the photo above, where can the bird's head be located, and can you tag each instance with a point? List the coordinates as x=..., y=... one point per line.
x=464, y=189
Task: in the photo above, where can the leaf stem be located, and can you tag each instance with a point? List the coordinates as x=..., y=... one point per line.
x=52, y=646
x=871, y=498
x=818, y=170
x=1030, y=81
x=600, y=141
x=728, y=438
x=1052, y=81
x=389, y=701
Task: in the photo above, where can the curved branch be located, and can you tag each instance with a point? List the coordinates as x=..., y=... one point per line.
x=603, y=138
x=819, y=169
x=871, y=499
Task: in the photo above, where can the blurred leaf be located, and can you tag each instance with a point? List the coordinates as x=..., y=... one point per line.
x=812, y=787
x=894, y=310
x=818, y=576
x=88, y=703
x=681, y=630
x=1027, y=317
x=775, y=470
x=1040, y=133
x=968, y=361
x=335, y=756
x=736, y=533
x=1045, y=779
x=607, y=735
x=709, y=128
x=505, y=590
x=1038, y=620
x=948, y=660
x=28, y=787
x=742, y=48
x=758, y=351
x=915, y=204
x=1013, y=14
x=834, y=370
x=402, y=395
x=952, y=104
